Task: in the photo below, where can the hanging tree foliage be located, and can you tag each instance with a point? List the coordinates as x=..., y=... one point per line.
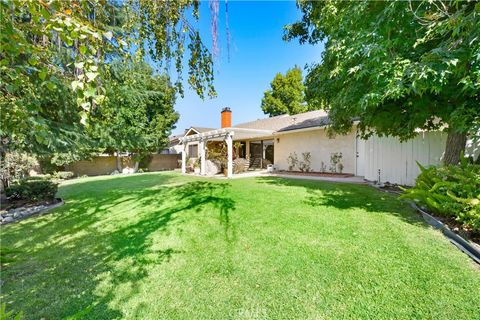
x=138, y=114
x=398, y=66
x=58, y=49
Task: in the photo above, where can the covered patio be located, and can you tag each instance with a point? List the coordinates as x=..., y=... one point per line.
x=228, y=135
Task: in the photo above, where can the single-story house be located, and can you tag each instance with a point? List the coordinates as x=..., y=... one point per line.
x=280, y=139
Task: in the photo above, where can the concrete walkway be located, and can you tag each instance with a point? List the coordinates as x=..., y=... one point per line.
x=264, y=173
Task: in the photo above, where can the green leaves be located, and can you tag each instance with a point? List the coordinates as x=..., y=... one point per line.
x=394, y=65
x=53, y=66
x=42, y=74
x=91, y=76
x=137, y=111
x=286, y=95
x=452, y=191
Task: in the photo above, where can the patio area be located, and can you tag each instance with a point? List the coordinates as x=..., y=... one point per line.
x=249, y=137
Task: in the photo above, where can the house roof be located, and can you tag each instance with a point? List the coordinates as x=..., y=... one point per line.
x=267, y=126
x=175, y=137
x=308, y=123
x=280, y=123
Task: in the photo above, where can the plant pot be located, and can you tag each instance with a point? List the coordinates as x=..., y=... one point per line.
x=196, y=170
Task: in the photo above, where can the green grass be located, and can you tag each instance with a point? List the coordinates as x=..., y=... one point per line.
x=163, y=246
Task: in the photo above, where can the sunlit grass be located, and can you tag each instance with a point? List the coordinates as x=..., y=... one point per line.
x=164, y=246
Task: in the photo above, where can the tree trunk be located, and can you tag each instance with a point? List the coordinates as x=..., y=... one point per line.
x=455, y=146
x=119, y=162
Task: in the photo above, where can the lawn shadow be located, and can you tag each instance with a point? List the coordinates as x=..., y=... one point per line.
x=70, y=255
x=348, y=196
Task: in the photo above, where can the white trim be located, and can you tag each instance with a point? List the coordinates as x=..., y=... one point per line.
x=184, y=159
x=201, y=145
x=188, y=131
x=222, y=133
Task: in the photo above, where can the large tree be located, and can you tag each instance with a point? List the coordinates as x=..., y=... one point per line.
x=398, y=66
x=286, y=94
x=138, y=114
x=45, y=45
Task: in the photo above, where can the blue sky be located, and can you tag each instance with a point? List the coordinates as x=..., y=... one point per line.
x=257, y=53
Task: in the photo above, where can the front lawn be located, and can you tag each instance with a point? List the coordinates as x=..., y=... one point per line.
x=164, y=246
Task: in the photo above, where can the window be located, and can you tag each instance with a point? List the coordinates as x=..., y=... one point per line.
x=193, y=150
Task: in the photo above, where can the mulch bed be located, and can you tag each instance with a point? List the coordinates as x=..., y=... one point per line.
x=456, y=227
x=317, y=174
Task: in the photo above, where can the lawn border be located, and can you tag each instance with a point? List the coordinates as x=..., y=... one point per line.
x=41, y=211
x=458, y=241
x=454, y=238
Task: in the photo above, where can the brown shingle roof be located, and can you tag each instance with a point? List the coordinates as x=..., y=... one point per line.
x=280, y=123
x=308, y=123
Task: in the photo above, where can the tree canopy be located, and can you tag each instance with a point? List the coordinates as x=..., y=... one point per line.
x=398, y=66
x=286, y=94
x=53, y=57
x=138, y=114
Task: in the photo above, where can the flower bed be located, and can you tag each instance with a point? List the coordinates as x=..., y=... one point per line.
x=318, y=174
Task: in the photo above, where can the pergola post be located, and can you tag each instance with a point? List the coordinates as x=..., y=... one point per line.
x=263, y=155
x=247, y=150
x=202, y=156
x=229, y=142
x=184, y=158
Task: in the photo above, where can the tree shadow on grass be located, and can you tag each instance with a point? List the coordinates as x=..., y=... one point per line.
x=73, y=259
x=348, y=196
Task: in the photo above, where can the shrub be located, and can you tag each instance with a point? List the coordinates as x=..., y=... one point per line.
x=32, y=190
x=451, y=191
x=46, y=165
x=292, y=160
x=4, y=314
x=305, y=165
x=39, y=177
x=15, y=165
x=335, y=159
x=64, y=175
x=323, y=167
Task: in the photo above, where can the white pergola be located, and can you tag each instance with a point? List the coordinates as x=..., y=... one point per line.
x=225, y=134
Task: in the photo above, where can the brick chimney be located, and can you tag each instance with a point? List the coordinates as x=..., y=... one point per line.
x=226, y=117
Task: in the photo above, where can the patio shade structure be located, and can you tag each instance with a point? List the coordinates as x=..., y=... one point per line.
x=225, y=134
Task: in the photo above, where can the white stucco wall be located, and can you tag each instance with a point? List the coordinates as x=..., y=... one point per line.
x=318, y=144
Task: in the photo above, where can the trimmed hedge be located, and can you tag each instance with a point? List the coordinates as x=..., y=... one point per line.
x=450, y=191
x=32, y=190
